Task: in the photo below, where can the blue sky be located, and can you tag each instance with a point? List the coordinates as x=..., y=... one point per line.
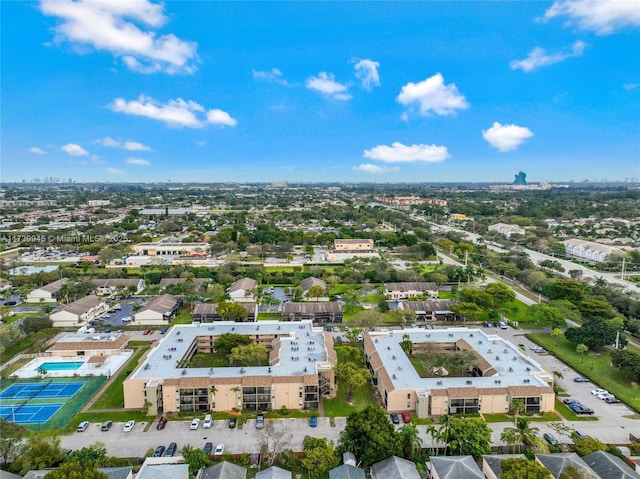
x=320, y=91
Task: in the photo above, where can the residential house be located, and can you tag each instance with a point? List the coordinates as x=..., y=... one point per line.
x=242, y=291
x=454, y=467
x=559, y=463
x=396, y=467
x=608, y=466
x=222, y=470
x=208, y=312
x=346, y=471
x=308, y=283
x=319, y=313
x=49, y=293
x=113, y=286
x=589, y=250
x=274, y=472
x=79, y=312
x=492, y=464
x=406, y=290
x=507, y=230
x=433, y=310
x=160, y=310
x=351, y=248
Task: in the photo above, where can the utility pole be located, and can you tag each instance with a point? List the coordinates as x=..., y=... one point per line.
x=617, y=339
x=622, y=271
x=466, y=258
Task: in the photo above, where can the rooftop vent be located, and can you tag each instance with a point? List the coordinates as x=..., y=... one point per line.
x=439, y=383
x=469, y=381
x=510, y=370
x=393, y=357
x=395, y=377
x=527, y=380
x=184, y=372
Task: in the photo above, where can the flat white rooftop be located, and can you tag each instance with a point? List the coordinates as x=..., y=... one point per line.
x=302, y=350
x=513, y=368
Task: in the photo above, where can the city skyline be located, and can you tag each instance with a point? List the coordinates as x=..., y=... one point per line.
x=320, y=92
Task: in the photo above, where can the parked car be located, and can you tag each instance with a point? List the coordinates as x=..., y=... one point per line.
x=206, y=424
x=313, y=421
x=232, y=422
x=128, y=426
x=502, y=325
x=568, y=401
x=158, y=452
x=146, y=331
x=106, y=425
x=162, y=422
x=581, y=379
x=579, y=434
x=219, y=450
x=163, y=330
x=260, y=421
x=360, y=337
x=550, y=438
x=194, y=424
x=171, y=449
x=604, y=396
x=406, y=418
x=578, y=408
x=597, y=391
x=82, y=427
x=612, y=400
x=395, y=419
x=208, y=447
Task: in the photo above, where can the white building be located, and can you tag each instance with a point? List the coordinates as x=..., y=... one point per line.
x=159, y=311
x=79, y=312
x=507, y=230
x=590, y=251
x=47, y=293
x=242, y=291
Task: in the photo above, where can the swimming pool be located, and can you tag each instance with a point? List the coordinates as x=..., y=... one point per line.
x=60, y=365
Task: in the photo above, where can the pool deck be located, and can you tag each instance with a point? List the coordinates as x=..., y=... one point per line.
x=106, y=366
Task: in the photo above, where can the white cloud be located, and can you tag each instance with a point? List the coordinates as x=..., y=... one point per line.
x=603, y=17
x=125, y=29
x=399, y=153
x=367, y=73
x=273, y=76
x=136, y=146
x=538, y=57
x=37, y=151
x=219, y=117
x=176, y=112
x=630, y=86
x=325, y=83
x=108, y=141
x=432, y=95
x=375, y=169
x=115, y=171
x=506, y=137
x=74, y=149
x=137, y=161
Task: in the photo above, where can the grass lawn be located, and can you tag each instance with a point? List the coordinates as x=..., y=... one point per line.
x=113, y=397
x=343, y=288
x=27, y=342
x=183, y=317
x=269, y=316
x=339, y=406
x=209, y=360
x=596, y=367
x=446, y=295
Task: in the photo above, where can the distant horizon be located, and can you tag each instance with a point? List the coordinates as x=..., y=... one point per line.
x=380, y=92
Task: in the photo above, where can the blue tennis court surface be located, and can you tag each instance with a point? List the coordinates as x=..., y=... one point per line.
x=41, y=391
x=29, y=413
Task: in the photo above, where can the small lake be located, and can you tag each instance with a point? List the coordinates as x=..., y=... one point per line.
x=32, y=269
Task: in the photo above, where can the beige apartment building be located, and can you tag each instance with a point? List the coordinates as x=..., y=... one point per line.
x=502, y=373
x=300, y=370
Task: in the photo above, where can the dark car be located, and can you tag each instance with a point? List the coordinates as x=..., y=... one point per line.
x=550, y=438
x=395, y=419
x=171, y=449
x=208, y=447
x=162, y=422
x=232, y=422
x=568, y=401
x=581, y=409
x=580, y=379
x=313, y=421
x=158, y=451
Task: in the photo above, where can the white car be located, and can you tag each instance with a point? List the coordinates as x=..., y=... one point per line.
x=194, y=424
x=128, y=426
x=604, y=396
x=207, y=422
x=599, y=391
x=219, y=450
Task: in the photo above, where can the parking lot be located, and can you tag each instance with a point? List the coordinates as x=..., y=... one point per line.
x=137, y=442
x=115, y=318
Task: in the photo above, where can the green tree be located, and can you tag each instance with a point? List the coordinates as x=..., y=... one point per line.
x=227, y=341
x=229, y=311
x=410, y=439
x=516, y=407
x=370, y=435
x=352, y=376
x=253, y=354
x=76, y=470
x=501, y=293
x=523, y=468
x=316, y=292
x=32, y=324
x=596, y=307
x=349, y=354
x=587, y=445
x=467, y=310
x=89, y=455
x=470, y=435
x=406, y=344
x=320, y=457
x=558, y=375
x=351, y=301
x=196, y=458
x=556, y=333
x=547, y=315
x=594, y=334
x=11, y=440
x=509, y=437
x=40, y=453
x=581, y=349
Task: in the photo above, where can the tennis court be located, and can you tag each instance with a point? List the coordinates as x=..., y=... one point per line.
x=42, y=391
x=29, y=413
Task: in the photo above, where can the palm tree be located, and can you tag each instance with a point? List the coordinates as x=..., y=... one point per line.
x=437, y=436
x=509, y=437
x=558, y=375
x=411, y=441
x=445, y=427
x=581, y=349
x=213, y=390
x=524, y=432
x=516, y=407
